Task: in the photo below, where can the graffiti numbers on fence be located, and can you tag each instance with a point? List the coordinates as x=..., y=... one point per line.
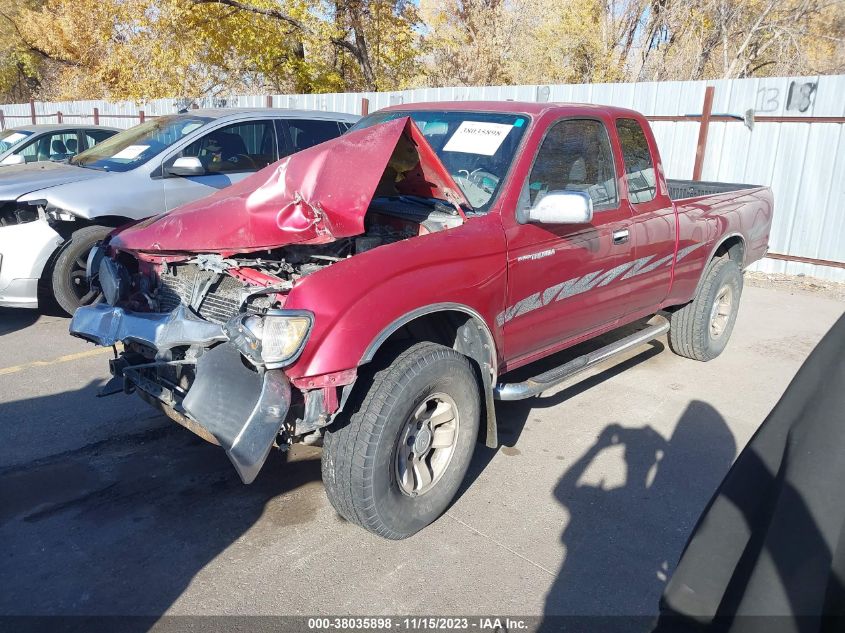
x=800, y=97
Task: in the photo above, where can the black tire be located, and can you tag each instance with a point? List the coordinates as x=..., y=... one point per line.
x=68, y=284
x=693, y=332
x=360, y=452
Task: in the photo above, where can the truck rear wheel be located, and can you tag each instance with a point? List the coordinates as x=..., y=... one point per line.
x=701, y=329
x=394, y=465
x=69, y=283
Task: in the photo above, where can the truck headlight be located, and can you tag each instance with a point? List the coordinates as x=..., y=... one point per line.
x=276, y=339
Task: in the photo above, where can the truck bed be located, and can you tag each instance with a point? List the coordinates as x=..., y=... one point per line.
x=681, y=189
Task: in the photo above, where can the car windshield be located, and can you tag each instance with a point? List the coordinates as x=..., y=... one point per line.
x=137, y=145
x=10, y=138
x=477, y=148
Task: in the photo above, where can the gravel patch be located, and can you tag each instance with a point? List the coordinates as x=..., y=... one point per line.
x=796, y=284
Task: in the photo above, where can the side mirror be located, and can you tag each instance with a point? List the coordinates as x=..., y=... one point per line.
x=13, y=159
x=562, y=207
x=187, y=166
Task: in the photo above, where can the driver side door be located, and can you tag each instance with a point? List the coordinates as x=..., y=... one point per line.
x=560, y=276
x=229, y=154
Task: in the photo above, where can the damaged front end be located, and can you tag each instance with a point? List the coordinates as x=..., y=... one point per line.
x=206, y=336
x=206, y=353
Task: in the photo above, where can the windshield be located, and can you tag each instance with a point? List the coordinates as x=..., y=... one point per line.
x=10, y=138
x=139, y=144
x=476, y=147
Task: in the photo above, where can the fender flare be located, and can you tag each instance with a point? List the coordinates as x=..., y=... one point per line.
x=488, y=365
x=712, y=254
x=433, y=308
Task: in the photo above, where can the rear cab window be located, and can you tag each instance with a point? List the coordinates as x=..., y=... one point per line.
x=639, y=167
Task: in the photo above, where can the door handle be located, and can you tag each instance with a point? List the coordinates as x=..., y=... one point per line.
x=620, y=237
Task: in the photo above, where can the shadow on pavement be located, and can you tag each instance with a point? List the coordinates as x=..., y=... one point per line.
x=123, y=525
x=623, y=535
x=513, y=416
x=14, y=319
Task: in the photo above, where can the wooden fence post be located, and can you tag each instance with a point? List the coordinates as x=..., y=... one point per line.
x=2, y=120
x=32, y=110
x=365, y=106
x=703, y=127
x=141, y=117
x=59, y=117
x=269, y=101
x=96, y=116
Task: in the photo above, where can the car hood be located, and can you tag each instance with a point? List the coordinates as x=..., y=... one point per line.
x=18, y=180
x=314, y=196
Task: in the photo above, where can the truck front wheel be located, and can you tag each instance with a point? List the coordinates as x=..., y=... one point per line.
x=700, y=330
x=394, y=465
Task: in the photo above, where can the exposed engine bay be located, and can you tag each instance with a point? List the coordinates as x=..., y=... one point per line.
x=217, y=288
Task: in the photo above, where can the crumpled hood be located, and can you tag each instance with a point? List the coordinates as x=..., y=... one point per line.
x=18, y=180
x=314, y=196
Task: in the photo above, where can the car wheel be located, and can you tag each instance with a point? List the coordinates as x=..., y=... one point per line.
x=394, y=465
x=70, y=286
x=701, y=329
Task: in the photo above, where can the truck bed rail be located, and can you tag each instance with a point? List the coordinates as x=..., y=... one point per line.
x=680, y=189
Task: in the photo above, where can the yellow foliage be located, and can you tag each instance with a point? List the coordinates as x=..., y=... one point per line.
x=141, y=49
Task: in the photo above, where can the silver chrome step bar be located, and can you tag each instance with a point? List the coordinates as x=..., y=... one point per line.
x=548, y=379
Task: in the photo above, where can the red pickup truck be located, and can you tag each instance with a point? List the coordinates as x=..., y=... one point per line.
x=374, y=292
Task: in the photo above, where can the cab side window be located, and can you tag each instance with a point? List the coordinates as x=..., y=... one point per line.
x=575, y=156
x=92, y=137
x=30, y=152
x=639, y=170
x=306, y=133
x=63, y=145
x=235, y=148
x=56, y=147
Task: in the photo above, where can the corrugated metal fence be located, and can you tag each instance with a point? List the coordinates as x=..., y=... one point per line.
x=785, y=132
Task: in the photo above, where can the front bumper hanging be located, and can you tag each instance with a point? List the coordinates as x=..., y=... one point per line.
x=107, y=325
x=241, y=408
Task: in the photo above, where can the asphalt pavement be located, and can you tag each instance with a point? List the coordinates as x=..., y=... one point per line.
x=107, y=508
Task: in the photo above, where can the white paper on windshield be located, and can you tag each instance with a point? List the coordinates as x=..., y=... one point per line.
x=130, y=152
x=13, y=138
x=474, y=137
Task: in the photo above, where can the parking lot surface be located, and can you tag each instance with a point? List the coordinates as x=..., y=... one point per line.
x=108, y=508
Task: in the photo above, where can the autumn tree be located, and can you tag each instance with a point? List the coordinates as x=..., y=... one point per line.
x=328, y=46
x=468, y=42
x=473, y=42
x=141, y=49
x=20, y=66
x=136, y=49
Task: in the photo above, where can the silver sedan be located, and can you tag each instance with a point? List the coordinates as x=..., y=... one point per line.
x=52, y=213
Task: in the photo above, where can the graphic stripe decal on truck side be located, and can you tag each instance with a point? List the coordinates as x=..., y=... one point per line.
x=572, y=287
